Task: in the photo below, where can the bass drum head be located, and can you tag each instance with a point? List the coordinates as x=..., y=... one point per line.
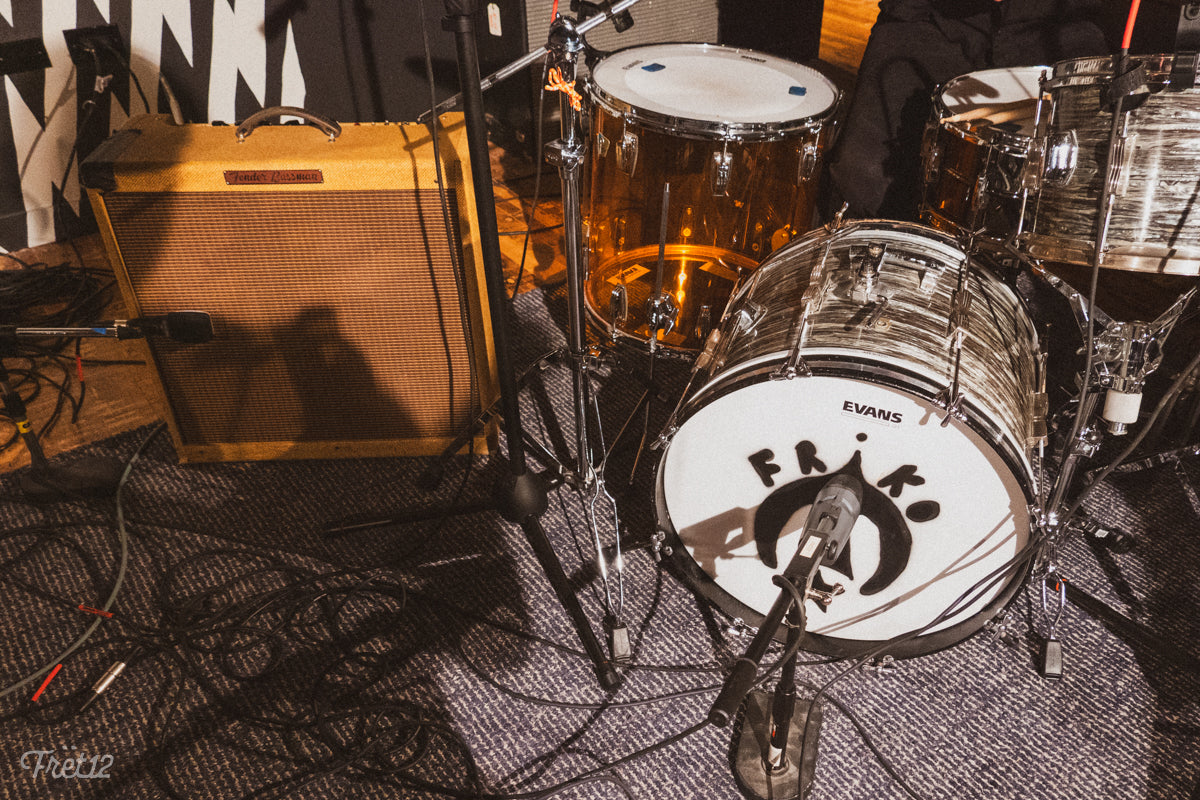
x=710, y=90
x=941, y=508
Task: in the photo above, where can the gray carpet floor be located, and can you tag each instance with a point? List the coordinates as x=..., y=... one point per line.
x=423, y=658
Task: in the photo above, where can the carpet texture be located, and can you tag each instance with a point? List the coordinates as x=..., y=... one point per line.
x=426, y=658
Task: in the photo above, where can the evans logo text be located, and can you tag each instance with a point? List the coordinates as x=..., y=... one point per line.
x=871, y=411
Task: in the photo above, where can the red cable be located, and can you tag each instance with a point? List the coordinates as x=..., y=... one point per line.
x=1133, y=9
x=46, y=682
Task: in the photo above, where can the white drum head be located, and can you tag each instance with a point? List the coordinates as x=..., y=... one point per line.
x=714, y=84
x=941, y=509
x=995, y=87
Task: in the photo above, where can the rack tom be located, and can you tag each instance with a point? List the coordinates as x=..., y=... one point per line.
x=739, y=136
x=1155, y=222
x=975, y=150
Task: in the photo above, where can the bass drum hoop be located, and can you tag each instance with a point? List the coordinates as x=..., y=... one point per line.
x=834, y=364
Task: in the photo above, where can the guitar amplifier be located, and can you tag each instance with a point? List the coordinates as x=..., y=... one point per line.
x=346, y=289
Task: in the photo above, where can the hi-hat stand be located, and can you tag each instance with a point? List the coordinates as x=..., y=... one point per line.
x=1118, y=359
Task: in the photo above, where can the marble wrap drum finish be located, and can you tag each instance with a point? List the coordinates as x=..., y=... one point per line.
x=944, y=505
x=973, y=167
x=739, y=136
x=1155, y=223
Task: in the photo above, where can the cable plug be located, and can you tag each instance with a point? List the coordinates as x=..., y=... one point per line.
x=105, y=681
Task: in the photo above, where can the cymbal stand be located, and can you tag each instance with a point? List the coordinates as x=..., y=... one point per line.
x=567, y=153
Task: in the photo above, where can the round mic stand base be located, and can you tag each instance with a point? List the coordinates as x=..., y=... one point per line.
x=92, y=476
x=794, y=778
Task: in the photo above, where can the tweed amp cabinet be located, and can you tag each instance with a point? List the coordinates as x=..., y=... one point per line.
x=347, y=293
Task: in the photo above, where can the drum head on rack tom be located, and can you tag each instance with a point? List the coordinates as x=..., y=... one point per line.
x=994, y=87
x=713, y=87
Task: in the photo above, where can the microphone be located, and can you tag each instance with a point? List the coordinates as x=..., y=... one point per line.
x=189, y=327
x=832, y=516
x=834, y=512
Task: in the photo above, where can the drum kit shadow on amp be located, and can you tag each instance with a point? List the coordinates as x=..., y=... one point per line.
x=865, y=421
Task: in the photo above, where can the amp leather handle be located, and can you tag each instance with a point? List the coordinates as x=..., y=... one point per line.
x=328, y=126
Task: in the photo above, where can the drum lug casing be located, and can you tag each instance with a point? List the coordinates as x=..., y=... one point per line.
x=1038, y=430
x=627, y=152
x=810, y=156
x=720, y=170
x=601, y=144
x=1061, y=157
x=931, y=156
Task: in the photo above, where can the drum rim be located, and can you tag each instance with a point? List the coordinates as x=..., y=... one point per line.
x=687, y=127
x=703, y=583
x=1118, y=255
x=1070, y=72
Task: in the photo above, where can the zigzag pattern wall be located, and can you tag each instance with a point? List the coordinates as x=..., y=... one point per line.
x=215, y=77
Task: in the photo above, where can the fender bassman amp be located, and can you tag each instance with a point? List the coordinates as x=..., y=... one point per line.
x=346, y=291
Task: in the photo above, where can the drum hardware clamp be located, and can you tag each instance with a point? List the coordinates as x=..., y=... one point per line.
x=824, y=596
x=658, y=545
x=1000, y=629
x=883, y=665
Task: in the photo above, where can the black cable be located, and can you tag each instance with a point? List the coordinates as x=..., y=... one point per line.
x=537, y=179
x=118, y=580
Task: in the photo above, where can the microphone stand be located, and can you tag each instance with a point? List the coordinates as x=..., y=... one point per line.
x=522, y=496
x=763, y=763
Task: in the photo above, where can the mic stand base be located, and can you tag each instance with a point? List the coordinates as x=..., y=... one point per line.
x=795, y=778
x=91, y=476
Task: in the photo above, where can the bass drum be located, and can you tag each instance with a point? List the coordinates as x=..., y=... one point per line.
x=946, y=496
x=738, y=136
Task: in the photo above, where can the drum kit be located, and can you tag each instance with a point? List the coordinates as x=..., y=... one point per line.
x=897, y=356
x=899, y=352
